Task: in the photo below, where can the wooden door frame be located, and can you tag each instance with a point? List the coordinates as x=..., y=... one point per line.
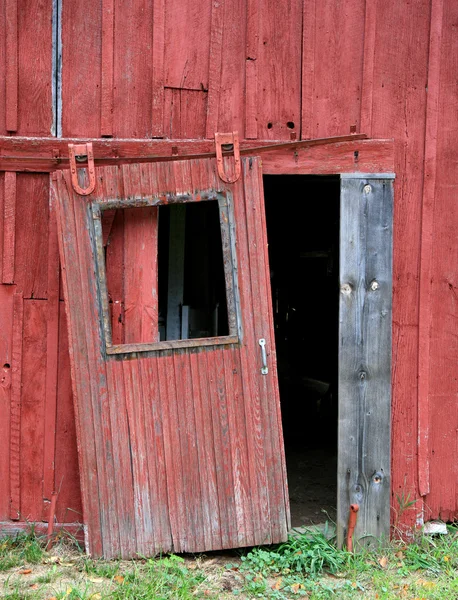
x=363, y=472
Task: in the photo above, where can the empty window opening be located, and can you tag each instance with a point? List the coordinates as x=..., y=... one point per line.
x=302, y=214
x=167, y=275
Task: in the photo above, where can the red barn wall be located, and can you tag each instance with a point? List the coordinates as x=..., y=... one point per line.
x=271, y=70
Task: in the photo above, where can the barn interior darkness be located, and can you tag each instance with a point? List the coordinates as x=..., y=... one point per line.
x=302, y=214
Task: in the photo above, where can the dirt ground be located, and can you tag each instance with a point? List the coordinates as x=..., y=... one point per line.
x=312, y=479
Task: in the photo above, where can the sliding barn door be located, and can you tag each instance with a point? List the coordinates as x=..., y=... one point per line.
x=365, y=356
x=167, y=294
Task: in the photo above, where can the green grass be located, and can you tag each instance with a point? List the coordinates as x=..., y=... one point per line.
x=23, y=548
x=306, y=566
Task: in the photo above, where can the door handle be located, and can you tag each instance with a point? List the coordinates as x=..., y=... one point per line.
x=264, y=368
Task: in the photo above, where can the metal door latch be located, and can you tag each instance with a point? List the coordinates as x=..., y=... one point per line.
x=81, y=153
x=264, y=368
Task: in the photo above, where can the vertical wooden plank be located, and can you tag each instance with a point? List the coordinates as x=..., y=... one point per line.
x=133, y=72
x=308, y=68
x=106, y=101
x=365, y=357
x=9, y=227
x=87, y=433
x=214, y=76
x=67, y=459
x=81, y=27
x=155, y=440
x=370, y=21
x=52, y=352
x=11, y=39
x=176, y=271
x=15, y=407
x=427, y=226
x=157, y=108
x=279, y=69
x=31, y=237
x=33, y=397
x=6, y=364
x=251, y=70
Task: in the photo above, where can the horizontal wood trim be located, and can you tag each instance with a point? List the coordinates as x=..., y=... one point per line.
x=173, y=345
x=305, y=157
x=13, y=528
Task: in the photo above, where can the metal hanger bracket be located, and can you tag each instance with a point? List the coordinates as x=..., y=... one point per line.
x=228, y=142
x=82, y=153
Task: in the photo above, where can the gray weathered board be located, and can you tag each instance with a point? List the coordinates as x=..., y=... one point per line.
x=365, y=355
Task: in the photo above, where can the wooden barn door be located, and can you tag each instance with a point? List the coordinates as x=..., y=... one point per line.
x=167, y=293
x=365, y=315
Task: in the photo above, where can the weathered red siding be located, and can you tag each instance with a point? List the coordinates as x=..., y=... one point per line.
x=271, y=70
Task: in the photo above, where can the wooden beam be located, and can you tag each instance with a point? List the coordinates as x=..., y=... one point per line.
x=365, y=313
x=9, y=228
x=106, y=117
x=11, y=36
x=15, y=408
x=328, y=156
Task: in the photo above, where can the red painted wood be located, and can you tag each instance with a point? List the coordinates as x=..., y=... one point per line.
x=33, y=395
x=35, y=68
x=203, y=515
x=9, y=227
x=8, y=528
x=15, y=408
x=31, y=243
x=184, y=113
x=443, y=388
x=399, y=107
x=67, y=468
x=214, y=75
x=375, y=156
x=157, y=105
x=251, y=70
x=107, y=91
x=52, y=350
x=370, y=22
x=11, y=36
x=6, y=364
x=427, y=226
x=279, y=69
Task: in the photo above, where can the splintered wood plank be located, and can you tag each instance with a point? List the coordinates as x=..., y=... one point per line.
x=11, y=36
x=67, y=458
x=33, y=398
x=157, y=103
x=9, y=227
x=107, y=102
x=32, y=244
x=15, y=408
x=279, y=69
x=365, y=358
x=81, y=96
x=52, y=352
x=6, y=363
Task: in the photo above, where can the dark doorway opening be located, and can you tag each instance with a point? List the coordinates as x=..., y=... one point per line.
x=303, y=219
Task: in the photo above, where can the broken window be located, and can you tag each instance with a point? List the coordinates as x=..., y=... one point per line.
x=166, y=273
